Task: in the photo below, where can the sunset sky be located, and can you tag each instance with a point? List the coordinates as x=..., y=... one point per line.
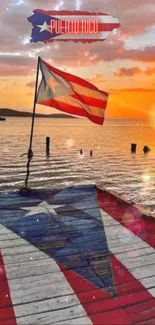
x=123, y=65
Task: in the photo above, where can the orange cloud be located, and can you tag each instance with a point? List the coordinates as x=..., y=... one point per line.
x=16, y=65
x=124, y=72
x=150, y=71
x=133, y=90
x=98, y=78
x=130, y=72
x=98, y=52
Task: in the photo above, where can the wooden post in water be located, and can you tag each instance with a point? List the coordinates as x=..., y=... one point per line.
x=133, y=147
x=47, y=146
x=146, y=149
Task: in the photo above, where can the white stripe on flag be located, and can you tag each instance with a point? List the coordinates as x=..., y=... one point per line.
x=136, y=255
x=77, y=103
x=37, y=286
x=85, y=91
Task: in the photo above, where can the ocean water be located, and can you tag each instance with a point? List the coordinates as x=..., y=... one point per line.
x=112, y=166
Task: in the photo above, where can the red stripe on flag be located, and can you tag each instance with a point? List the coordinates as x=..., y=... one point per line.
x=102, y=308
x=51, y=40
x=142, y=311
x=107, y=27
x=141, y=225
x=61, y=106
x=102, y=27
x=85, y=290
x=7, y=316
x=127, y=286
x=91, y=101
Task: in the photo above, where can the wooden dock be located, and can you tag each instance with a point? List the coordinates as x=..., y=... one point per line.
x=78, y=255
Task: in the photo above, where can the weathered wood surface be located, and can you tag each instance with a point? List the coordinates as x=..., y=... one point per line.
x=75, y=256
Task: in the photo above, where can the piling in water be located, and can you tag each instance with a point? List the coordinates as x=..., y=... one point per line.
x=47, y=146
x=146, y=149
x=133, y=147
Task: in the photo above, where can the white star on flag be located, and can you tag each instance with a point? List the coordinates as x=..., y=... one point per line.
x=44, y=27
x=43, y=207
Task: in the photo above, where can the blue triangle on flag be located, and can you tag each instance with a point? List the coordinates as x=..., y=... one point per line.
x=77, y=242
x=38, y=19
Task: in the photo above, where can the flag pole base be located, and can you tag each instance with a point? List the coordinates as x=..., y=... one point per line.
x=25, y=189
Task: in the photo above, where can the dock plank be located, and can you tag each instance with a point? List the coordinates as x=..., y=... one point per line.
x=43, y=306
x=40, y=289
x=37, y=289
x=52, y=317
x=138, y=266
x=82, y=257
x=75, y=321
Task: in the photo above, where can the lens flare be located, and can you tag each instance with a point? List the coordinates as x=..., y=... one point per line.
x=152, y=116
x=127, y=219
x=70, y=143
x=146, y=178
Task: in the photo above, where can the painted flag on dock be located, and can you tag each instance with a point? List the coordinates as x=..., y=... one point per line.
x=78, y=26
x=71, y=94
x=76, y=255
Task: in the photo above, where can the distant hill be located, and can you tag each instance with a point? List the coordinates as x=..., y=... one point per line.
x=12, y=112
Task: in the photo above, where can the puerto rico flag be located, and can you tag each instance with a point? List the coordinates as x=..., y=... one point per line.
x=74, y=256
x=41, y=21
x=71, y=94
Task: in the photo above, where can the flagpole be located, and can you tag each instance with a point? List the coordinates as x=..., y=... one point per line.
x=30, y=153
